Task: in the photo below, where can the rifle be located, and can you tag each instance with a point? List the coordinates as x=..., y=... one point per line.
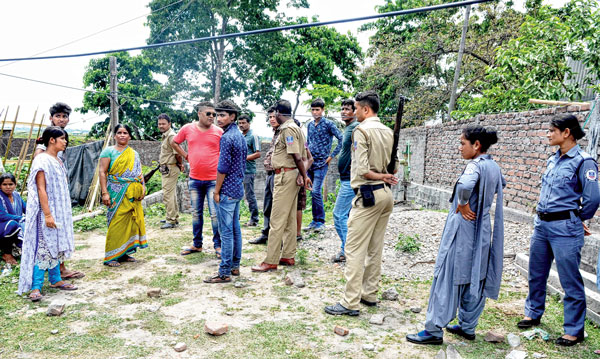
x=149, y=175
x=394, y=157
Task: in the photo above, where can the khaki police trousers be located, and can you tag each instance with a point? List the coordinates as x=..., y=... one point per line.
x=169, y=188
x=364, y=247
x=283, y=218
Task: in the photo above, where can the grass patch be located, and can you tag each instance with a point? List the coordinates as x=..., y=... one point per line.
x=408, y=244
x=170, y=282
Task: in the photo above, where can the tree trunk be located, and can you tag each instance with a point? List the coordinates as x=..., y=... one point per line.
x=220, y=52
x=297, y=101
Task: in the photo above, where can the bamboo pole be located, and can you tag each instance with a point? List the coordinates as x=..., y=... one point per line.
x=24, y=184
x=25, y=147
x=556, y=103
x=3, y=122
x=90, y=201
x=12, y=132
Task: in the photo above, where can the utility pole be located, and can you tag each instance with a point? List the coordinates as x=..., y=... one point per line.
x=459, y=61
x=114, y=107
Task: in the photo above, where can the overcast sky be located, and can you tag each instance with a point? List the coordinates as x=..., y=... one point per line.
x=29, y=27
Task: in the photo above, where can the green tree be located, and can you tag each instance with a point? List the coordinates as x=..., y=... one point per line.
x=333, y=96
x=222, y=68
x=534, y=65
x=415, y=55
x=316, y=55
x=136, y=85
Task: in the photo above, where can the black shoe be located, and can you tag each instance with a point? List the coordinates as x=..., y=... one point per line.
x=456, y=329
x=259, y=240
x=368, y=303
x=339, y=258
x=339, y=309
x=424, y=337
x=299, y=238
x=567, y=342
x=528, y=323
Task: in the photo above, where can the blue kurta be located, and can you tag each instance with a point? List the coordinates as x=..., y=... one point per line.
x=469, y=264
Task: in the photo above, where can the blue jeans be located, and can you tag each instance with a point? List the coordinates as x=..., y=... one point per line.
x=38, y=277
x=317, y=176
x=198, y=191
x=250, y=196
x=231, y=234
x=560, y=241
x=341, y=211
x=267, y=205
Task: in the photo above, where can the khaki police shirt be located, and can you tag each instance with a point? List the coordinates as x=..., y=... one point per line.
x=371, y=153
x=167, y=153
x=291, y=140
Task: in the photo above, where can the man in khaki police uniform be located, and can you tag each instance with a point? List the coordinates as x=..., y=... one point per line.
x=287, y=164
x=170, y=167
x=371, y=208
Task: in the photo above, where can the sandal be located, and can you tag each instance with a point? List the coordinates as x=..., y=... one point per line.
x=217, y=279
x=339, y=258
x=187, y=251
x=218, y=253
x=112, y=264
x=65, y=286
x=127, y=258
x=35, y=297
x=73, y=275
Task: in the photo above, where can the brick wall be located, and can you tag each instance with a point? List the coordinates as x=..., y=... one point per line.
x=521, y=152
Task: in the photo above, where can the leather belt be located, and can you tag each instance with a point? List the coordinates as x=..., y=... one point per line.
x=373, y=188
x=284, y=169
x=555, y=216
x=269, y=173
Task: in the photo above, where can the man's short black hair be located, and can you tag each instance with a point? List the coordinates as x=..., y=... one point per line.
x=245, y=117
x=318, y=103
x=271, y=109
x=60, y=107
x=228, y=106
x=164, y=116
x=203, y=104
x=349, y=102
x=368, y=98
x=284, y=107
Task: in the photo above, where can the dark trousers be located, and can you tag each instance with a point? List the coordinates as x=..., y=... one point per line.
x=267, y=204
x=251, y=197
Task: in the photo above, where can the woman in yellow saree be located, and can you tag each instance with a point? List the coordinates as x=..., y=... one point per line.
x=123, y=189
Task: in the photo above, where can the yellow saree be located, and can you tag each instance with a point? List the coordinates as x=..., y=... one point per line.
x=126, y=227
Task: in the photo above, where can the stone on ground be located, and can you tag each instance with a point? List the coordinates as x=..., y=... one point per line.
x=295, y=278
x=493, y=337
x=56, y=308
x=54, y=331
x=341, y=331
x=452, y=353
x=179, y=347
x=416, y=309
x=440, y=355
x=377, y=319
x=539, y=355
x=368, y=347
x=154, y=292
x=516, y=354
x=390, y=294
x=513, y=340
x=216, y=328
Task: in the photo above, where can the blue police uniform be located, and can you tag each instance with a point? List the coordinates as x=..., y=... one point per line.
x=569, y=195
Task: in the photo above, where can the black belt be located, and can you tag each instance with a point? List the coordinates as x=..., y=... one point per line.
x=556, y=216
x=373, y=188
x=269, y=173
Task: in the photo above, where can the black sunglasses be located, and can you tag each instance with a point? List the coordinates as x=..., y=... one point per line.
x=209, y=114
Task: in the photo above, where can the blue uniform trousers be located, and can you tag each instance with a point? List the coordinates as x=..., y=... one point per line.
x=561, y=241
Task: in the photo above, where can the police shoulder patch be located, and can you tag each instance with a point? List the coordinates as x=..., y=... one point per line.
x=591, y=175
x=289, y=140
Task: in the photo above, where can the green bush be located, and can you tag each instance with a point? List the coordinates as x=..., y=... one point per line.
x=408, y=244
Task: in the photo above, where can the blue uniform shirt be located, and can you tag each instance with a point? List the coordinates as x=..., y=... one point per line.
x=570, y=183
x=232, y=161
x=320, y=138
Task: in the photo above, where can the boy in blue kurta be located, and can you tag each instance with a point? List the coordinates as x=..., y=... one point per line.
x=468, y=268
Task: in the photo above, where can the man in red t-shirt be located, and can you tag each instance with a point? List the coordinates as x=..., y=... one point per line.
x=203, y=138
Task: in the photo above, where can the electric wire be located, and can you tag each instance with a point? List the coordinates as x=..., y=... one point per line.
x=259, y=31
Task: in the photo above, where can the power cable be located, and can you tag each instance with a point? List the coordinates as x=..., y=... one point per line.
x=98, y=32
x=259, y=31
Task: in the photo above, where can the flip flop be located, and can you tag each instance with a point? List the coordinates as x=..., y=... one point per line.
x=65, y=286
x=188, y=251
x=73, y=275
x=35, y=297
x=113, y=264
x=128, y=258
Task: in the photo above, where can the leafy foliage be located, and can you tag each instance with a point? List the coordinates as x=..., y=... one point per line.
x=408, y=244
x=534, y=65
x=136, y=83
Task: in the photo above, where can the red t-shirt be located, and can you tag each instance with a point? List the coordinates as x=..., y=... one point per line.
x=203, y=150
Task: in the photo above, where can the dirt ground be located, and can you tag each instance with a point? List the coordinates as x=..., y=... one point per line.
x=266, y=317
